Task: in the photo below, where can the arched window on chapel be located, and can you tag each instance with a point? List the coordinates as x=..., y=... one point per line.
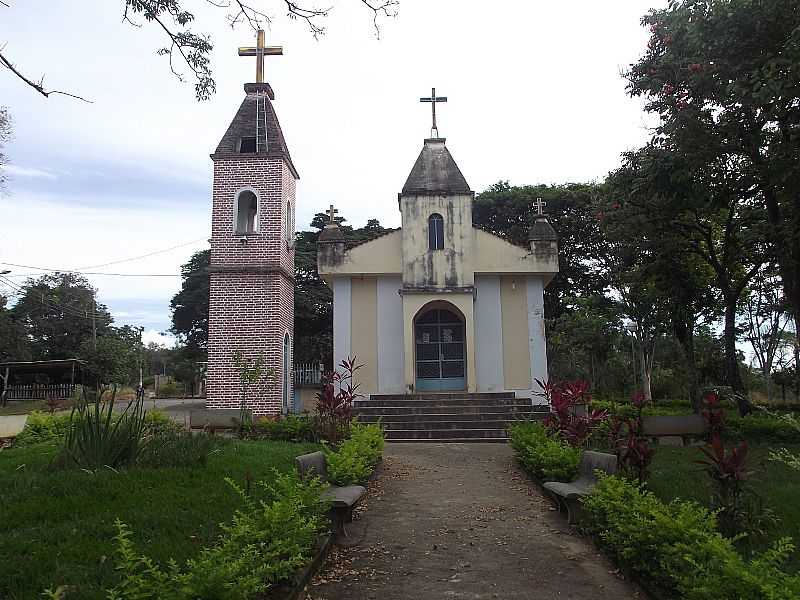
x=246, y=212
x=435, y=232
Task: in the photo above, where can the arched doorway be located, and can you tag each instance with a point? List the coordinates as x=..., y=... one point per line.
x=440, y=355
x=287, y=372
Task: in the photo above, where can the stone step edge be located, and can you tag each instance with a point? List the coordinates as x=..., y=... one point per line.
x=460, y=414
x=474, y=440
x=465, y=429
x=493, y=424
x=444, y=396
x=456, y=407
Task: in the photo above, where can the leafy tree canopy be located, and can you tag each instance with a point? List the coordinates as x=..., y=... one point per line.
x=58, y=311
x=115, y=357
x=509, y=211
x=190, y=305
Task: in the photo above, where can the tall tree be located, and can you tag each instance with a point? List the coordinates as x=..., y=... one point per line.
x=628, y=265
x=765, y=321
x=190, y=305
x=115, y=358
x=702, y=208
x=13, y=341
x=723, y=76
x=509, y=211
x=59, y=311
x=313, y=304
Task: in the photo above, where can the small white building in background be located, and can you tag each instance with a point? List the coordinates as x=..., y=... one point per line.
x=440, y=305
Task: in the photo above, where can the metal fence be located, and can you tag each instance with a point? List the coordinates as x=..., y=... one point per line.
x=39, y=391
x=309, y=374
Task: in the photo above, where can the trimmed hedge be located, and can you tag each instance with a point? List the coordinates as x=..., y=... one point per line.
x=544, y=457
x=290, y=428
x=760, y=427
x=353, y=462
x=757, y=427
x=676, y=549
x=266, y=543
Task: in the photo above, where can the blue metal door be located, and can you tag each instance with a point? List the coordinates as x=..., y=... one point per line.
x=440, y=355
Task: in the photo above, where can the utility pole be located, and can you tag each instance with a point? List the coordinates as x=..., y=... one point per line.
x=94, y=323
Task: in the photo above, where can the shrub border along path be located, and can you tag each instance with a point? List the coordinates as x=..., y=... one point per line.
x=463, y=521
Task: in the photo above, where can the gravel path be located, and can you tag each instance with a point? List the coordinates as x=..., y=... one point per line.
x=461, y=521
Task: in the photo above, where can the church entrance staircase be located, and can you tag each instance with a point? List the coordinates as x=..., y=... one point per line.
x=451, y=417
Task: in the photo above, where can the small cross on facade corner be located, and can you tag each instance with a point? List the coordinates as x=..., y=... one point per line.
x=332, y=212
x=540, y=204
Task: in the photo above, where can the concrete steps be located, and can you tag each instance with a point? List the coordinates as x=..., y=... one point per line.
x=449, y=417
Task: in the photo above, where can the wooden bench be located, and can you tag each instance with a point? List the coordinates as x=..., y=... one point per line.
x=569, y=495
x=674, y=430
x=343, y=499
x=207, y=418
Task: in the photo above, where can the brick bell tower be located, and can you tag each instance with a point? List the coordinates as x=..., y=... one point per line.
x=252, y=252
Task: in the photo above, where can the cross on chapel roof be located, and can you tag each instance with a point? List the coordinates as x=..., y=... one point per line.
x=540, y=206
x=260, y=51
x=433, y=100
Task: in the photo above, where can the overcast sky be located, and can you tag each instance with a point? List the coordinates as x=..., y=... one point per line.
x=534, y=96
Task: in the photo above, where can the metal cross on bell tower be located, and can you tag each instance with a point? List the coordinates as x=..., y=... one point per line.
x=433, y=100
x=260, y=51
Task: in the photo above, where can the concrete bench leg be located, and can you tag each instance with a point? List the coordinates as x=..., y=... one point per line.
x=339, y=518
x=574, y=510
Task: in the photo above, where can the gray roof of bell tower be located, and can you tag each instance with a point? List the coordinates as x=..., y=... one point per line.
x=435, y=172
x=256, y=118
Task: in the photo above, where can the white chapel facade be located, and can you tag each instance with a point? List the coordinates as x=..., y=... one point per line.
x=440, y=305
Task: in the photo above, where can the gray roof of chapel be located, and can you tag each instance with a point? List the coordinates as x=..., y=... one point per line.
x=255, y=116
x=435, y=172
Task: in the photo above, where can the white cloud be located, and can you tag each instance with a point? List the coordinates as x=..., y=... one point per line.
x=16, y=171
x=151, y=336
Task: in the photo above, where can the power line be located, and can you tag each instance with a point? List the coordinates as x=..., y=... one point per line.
x=122, y=260
x=50, y=270
x=82, y=270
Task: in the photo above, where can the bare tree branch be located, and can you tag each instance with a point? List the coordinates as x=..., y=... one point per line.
x=385, y=8
x=38, y=86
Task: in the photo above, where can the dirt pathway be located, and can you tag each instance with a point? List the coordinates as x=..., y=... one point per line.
x=461, y=521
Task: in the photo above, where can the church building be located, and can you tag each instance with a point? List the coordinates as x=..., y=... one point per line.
x=440, y=305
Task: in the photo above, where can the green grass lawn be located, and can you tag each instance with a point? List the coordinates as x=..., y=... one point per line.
x=22, y=407
x=57, y=527
x=675, y=475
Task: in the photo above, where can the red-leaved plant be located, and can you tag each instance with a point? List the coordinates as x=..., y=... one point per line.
x=713, y=414
x=739, y=508
x=563, y=420
x=633, y=448
x=335, y=401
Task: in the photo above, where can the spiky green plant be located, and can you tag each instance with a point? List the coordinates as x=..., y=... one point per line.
x=96, y=438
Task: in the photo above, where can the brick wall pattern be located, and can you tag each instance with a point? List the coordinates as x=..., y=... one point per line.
x=252, y=293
